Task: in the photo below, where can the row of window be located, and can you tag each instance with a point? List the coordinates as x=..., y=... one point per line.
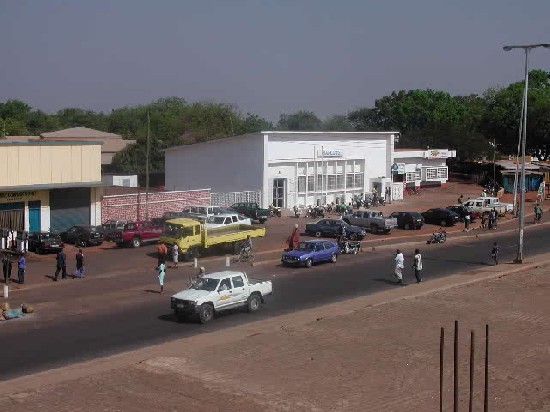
x=329, y=182
x=432, y=173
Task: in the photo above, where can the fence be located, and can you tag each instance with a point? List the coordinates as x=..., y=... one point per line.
x=227, y=199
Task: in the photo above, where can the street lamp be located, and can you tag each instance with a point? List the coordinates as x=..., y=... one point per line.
x=526, y=48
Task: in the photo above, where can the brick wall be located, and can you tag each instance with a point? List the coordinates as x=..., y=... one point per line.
x=132, y=206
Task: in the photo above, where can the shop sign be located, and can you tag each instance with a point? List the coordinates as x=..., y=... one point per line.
x=330, y=153
x=17, y=196
x=437, y=154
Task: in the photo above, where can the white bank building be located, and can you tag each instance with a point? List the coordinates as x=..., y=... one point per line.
x=285, y=168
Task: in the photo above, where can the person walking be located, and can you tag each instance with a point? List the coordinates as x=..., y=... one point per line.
x=538, y=213
x=399, y=265
x=162, y=273
x=162, y=251
x=21, y=266
x=175, y=255
x=61, y=265
x=467, y=222
x=79, y=273
x=494, y=253
x=6, y=267
x=461, y=199
x=417, y=266
x=293, y=239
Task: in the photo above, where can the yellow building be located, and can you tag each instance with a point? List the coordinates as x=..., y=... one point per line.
x=49, y=185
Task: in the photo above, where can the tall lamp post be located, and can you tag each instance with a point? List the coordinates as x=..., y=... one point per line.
x=526, y=48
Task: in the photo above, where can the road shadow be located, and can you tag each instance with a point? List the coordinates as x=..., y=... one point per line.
x=467, y=262
x=152, y=291
x=389, y=281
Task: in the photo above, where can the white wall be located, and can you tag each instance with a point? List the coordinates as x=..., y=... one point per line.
x=232, y=164
x=118, y=180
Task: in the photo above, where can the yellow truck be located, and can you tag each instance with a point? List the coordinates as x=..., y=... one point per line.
x=193, y=238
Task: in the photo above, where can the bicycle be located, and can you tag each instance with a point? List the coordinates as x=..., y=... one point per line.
x=245, y=255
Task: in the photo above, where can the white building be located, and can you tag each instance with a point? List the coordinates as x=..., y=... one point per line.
x=285, y=168
x=422, y=167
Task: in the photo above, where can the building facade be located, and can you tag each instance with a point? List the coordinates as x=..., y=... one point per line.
x=421, y=168
x=285, y=168
x=49, y=185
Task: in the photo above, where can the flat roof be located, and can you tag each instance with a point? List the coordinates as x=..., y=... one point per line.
x=50, y=143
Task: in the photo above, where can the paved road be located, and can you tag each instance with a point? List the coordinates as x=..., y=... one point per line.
x=33, y=346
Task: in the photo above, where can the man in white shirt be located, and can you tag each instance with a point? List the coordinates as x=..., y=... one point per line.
x=399, y=265
x=417, y=266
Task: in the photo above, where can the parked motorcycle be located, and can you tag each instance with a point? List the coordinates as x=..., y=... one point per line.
x=296, y=211
x=348, y=246
x=274, y=211
x=437, y=237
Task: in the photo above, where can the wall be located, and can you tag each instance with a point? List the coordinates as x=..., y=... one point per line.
x=48, y=164
x=118, y=180
x=132, y=206
x=232, y=164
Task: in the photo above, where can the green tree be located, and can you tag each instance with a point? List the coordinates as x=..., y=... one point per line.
x=337, y=123
x=300, y=121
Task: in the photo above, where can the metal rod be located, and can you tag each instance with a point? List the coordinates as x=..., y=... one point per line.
x=486, y=391
x=472, y=356
x=441, y=350
x=516, y=174
x=455, y=364
x=147, y=151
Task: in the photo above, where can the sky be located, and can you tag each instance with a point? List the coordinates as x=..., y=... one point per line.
x=266, y=57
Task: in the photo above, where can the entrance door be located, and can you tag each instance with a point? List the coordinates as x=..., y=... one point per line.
x=69, y=207
x=34, y=216
x=279, y=192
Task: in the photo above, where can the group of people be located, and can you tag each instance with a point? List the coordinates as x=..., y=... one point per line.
x=7, y=267
x=61, y=265
x=400, y=265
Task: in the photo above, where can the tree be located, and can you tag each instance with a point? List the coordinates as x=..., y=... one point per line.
x=74, y=117
x=338, y=123
x=300, y=121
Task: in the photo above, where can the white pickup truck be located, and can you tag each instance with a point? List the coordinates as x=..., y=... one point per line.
x=371, y=219
x=220, y=291
x=486, y=204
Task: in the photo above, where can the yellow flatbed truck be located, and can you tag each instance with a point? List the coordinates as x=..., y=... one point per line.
x=193, y=238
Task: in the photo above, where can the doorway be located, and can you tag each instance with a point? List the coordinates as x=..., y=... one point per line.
x=279, y=190
x=34, y=216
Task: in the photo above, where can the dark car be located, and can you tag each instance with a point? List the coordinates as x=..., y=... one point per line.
x=83, y=235
x=463, y=211
x=332, y=228
x=44, y=242
x=440, y=216
x=310, y=252
x=111, y=226
x=408, y=220
x=251, y=210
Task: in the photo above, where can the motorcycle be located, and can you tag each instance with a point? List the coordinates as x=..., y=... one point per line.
x=296, y=211
x=274, y=211
x=437, y=237
x=349, y=246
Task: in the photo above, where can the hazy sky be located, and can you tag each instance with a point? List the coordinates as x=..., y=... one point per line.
x=266, y=57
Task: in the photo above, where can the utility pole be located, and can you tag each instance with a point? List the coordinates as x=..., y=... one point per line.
x=147, y=151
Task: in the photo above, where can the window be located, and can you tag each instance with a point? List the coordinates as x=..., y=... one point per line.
x=238, y=282
x=328, y=245
x=410, y=176
x=311, y=183
x=349, y=180
x=225, y=284
x=234, y=219
x=418, y=175
x=339, y=181
x=431, y=173
x=331, y=182
x=442, y=173
x=358, y=179
x=301, y=184
x=320, y=185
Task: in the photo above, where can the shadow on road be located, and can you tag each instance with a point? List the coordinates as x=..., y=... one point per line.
x=457, y=261
x=388, y=281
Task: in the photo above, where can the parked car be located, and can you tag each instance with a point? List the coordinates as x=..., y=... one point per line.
x=110, y=226
x=227, y=219
x=310, y=252
x=483, y=204
x=408, y=220
x=440, y=216
x=332, y=228
x=137, y=233
x=201, y=212
x=371, y=219
x=83, y=235
x=251, y=210
x=44, y=242
x=220, y=291
x=463, y=211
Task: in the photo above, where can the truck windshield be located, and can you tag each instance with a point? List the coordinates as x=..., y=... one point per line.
x=177, y=231
x=207, y=284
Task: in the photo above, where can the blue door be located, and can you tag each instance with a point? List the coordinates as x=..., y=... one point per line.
x=34, y=216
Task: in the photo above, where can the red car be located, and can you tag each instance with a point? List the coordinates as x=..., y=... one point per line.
x=137, y=233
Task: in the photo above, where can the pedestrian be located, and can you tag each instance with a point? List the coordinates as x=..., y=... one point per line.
x=162, y=251
x=162, y=273
x=417, y=266
x=494, y=253
x=175, y=254
x=202, y=272
x=293, y=239
x=21, y=266
x=467, y=222
x=399, y=265
x=6, y=267
x=461, y=199
x=484, y=216
x=79, y=273
x=494, y=218
x=61, y=265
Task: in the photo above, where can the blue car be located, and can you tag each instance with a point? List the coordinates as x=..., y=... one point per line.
x=310, y=252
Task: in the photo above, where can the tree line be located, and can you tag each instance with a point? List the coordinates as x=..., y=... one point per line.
x=425, y=118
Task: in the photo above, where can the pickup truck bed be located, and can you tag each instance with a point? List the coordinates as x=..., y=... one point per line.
x=232, y=234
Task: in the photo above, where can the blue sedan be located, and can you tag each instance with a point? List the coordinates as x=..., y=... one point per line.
x=310, y=252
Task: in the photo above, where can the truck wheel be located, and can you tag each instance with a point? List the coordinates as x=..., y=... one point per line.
x=206, y=313
x=318, y=234
x=309, y=262
x=353, y=236
x=262, y=221
x=254, y=302
x=136, y=242
x=333, y=258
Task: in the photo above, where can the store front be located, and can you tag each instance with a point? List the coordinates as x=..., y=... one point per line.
x=421, y=168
